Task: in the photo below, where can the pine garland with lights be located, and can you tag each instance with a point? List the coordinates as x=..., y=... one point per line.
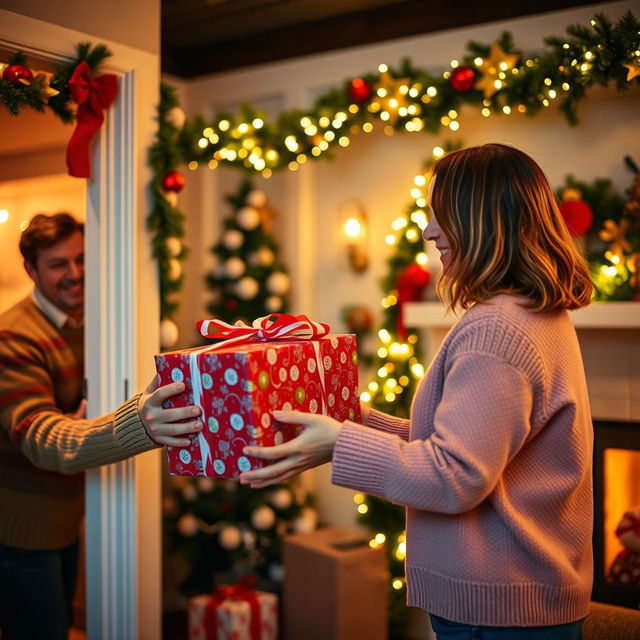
x=613, y=243
x=24, y=88
x=165, y=220
x=220, y=530
x=493, y=78
x=248, y=280
x=398, y=369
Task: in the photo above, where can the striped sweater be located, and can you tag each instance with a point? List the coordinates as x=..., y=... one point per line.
x=494, y=467
x=43, y=450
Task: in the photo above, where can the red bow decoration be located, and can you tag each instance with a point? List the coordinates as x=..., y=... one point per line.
x=411, y=281
x=277, y=326
x=243, y=591
x=93, y=96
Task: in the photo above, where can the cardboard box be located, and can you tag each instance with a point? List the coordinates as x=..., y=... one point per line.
x=335, y=587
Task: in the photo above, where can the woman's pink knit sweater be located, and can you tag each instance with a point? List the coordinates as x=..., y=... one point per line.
x=494, y=468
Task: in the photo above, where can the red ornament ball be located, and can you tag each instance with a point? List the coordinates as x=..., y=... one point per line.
x=414, y=276
x=360, y=90
x=359, y=318
x=173, y=181
x=577, y=215
x=462, y=79
x=16, y=72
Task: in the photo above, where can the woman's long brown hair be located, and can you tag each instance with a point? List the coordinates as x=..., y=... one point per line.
x=498, y=212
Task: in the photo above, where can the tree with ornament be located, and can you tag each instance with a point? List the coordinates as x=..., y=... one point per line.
x=248, y=279
x=216, y=531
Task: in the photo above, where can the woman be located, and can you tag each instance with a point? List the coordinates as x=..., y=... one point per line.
x=494, y=465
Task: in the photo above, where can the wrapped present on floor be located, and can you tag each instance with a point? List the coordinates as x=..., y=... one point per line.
x=238, y=612
x=281, y=362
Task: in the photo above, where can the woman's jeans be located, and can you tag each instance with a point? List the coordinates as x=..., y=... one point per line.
x=448, y=630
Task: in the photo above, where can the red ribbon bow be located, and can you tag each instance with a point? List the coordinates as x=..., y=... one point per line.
x=242, y=591
x=277, y=326
x=93, y=96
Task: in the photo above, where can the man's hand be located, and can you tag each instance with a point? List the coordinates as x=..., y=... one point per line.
x=81, y=412
x=313, y=447
x=162, y=424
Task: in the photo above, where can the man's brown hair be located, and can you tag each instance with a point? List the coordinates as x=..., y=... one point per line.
x=44, y=231
x=498, y=211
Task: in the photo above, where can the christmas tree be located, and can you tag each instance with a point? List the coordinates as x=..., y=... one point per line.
x=248, y=280
x=220, y=530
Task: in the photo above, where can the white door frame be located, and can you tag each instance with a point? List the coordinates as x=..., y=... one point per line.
x=123, y=500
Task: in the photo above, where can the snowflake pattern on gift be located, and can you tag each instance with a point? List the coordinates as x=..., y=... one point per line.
x=243, y=384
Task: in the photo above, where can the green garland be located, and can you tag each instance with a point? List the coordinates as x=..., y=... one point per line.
x=165, y=220
x=16, y=98
x=586, y=57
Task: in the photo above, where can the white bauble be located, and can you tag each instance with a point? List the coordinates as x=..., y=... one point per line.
x=247, y=288
x=276, y=572
x=266, y=257
x=230, y=537
x=307, y=521
x=263, y=518
x=189, y=492
x=206, y=485
x=234, y=267
x=232, y=239
x=248, y=218
x=273, y=304
x=278, y=283
x=168, y=333
x=249, y=539
x=175, y=269
x=174, y=246
x=171, y=197
x=256, y=198
x=188, y=525
x=281, y=498
x=176, y=117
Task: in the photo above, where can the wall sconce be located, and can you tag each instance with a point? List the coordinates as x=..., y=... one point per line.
x=354, y=227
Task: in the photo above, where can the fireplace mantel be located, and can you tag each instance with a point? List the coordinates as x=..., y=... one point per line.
x=599, y=315
x=609, y=336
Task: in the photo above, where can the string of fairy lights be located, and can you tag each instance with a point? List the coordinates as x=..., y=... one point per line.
x=494, y=79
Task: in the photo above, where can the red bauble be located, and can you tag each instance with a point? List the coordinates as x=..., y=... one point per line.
x=360, y=90
x=462, y=79
x=577, y=215
x=16, y=72
x=414, y=276
x=173, y=181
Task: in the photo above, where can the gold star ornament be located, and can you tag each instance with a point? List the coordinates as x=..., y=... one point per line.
x=633, y=69
x=497, y=63
x=391, y=95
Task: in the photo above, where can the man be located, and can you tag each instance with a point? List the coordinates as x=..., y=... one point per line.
x=45, y=441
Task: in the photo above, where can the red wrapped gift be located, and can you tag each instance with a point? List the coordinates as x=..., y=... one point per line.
x=238, y=612
x=281, y=362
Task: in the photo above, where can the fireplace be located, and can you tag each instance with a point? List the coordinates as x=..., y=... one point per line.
x=616, y=476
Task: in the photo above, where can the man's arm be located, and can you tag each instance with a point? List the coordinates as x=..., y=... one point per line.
x=58, y=442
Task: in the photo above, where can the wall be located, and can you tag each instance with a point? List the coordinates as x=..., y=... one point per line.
x=133, y=23
x=379, y=170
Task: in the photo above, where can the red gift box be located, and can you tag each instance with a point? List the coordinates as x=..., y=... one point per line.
x=239, y=382
x=238, y=612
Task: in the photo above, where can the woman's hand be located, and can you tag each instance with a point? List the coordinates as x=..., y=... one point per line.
x=162, y=424
x=313, y=447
